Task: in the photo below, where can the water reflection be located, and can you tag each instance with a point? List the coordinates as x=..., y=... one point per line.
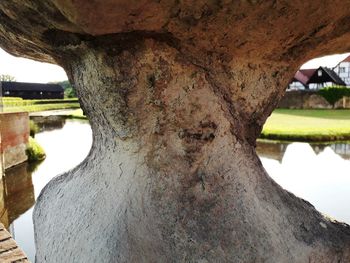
x=66, y=143
x=49, y=123
x=276, y=149
x=272, y=150
x=318, y=173
x=17, y=192
x=342, y=149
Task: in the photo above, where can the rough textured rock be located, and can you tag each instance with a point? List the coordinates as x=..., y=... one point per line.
x=177, y=92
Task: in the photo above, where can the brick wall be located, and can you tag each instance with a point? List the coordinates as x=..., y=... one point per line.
x=309, y=99
x=14, y=130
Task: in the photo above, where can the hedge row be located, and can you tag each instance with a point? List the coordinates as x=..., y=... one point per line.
x=334, y=93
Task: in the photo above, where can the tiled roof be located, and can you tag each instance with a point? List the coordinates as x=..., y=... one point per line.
x=307, y=76
x=303, y=75
x=347, y=59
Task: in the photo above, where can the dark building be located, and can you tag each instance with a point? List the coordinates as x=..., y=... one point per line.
x=325, y=77
x=31, y=90
x=315, y=79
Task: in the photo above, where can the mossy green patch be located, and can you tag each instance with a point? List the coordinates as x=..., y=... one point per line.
x=33, y=128
x=34, y=151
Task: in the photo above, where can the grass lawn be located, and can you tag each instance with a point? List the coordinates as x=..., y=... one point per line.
x=308, y=125
x=18, y=104
x=42, y=107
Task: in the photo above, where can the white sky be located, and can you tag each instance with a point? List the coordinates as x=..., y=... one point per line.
x=327, y=61
x=27, y=70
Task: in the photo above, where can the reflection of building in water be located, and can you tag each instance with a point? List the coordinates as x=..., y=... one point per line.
x=16, y=193
x=342, y=149
x=276, y=150
x=3, y=209
x=271, y=150
x=318, y=148
x=48, y=123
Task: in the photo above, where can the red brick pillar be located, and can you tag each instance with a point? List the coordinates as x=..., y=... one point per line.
x=14, y=130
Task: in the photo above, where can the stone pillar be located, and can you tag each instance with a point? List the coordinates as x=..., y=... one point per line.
x=173, y=175
x=177, y=93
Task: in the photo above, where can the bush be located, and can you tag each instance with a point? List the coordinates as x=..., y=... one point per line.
x=334, y=93
x=69, y=90
x=34, y=151
x=70, y=93
x=33, y=128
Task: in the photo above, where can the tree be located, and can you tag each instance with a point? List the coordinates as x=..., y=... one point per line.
x=5, y=77
x=69, y=90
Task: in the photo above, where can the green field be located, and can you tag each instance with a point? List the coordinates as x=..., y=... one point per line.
x=308, y=125
x=18, y=104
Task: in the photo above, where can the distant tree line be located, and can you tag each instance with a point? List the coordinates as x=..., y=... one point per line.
x=69, y=91
x=5, y=77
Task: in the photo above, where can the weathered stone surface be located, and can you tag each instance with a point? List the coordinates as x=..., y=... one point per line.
x=177, y=93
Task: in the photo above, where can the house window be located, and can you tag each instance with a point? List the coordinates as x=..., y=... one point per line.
x=319, y=73
x=342, y=70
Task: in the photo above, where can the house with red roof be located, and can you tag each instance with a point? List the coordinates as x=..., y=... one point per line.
x=301, y=79
x=343, y=70
x=313, y=79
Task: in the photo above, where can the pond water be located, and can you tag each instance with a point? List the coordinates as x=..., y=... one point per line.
x=318, y=173
x=66, y=144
